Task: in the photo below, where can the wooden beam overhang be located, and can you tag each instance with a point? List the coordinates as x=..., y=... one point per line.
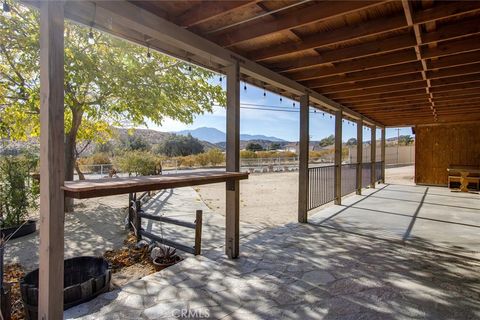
x=104, y=14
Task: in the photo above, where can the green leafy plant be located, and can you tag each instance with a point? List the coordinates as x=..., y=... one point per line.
x=139, y=163
x=18, y=190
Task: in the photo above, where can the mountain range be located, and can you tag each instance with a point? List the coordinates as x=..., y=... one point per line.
x=213, y=135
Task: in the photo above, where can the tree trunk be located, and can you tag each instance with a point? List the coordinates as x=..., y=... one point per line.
x=70, y=151
x=81, y=176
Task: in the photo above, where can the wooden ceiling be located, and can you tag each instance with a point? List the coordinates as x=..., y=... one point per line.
x=396, y=62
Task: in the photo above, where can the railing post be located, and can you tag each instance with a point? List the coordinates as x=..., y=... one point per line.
x=338, y=157
x=198, y=232
x=359, y=155
x=373, y=155
x=138, y=219
x=232, y=228
x=303, y=159
x=383, y=154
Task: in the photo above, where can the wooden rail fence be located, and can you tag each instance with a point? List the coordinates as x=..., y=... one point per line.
x=136, y=214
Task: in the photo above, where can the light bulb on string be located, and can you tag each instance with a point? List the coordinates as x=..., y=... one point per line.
x=149, y=54
x=281, y=99
x=294, y=104
x=245, y=86
x=221, y=79
x=91, y=40
x=264, y=92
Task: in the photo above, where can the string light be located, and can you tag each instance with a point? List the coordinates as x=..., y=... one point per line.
x=264, y=92
x=149, y=54
x=6, y=9
x=91, y=40
x=281, y=99
x=244, y=86
x=221, y=78
x=190, y=68
x=294, y=104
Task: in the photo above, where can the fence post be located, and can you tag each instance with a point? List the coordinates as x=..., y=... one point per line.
x=130, y=212
x=138, y=219
x=198, y=232
x=359, y=155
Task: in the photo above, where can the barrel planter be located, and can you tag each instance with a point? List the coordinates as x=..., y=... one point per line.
x=84, y=279
x=29, y=227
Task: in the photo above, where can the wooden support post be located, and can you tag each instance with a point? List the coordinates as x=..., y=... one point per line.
x=383, y=154
x=232, y=230
x=359, y=155
x=138, y=219
x=338, y=157
x=198, y=232
x=52, y=160
x=303, y=160
x=373, y=156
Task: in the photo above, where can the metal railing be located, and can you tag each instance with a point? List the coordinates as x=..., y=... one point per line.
x=378, y=171
x=321, y=182
x=366, y=174
x=349, y=178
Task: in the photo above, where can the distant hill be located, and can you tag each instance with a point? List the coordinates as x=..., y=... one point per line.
x=216, y=136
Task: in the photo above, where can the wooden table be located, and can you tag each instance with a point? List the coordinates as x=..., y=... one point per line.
x=464, y=172
x=107, y=187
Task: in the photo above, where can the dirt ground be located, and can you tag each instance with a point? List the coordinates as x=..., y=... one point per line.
x=265, y=199
x=269, y=199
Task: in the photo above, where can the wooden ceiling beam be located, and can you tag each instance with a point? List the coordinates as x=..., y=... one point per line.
x=382, y=60
x=303, y=16
x=369, y=91
x=371, y=48
x=399, y=69
x=444, y=9
x=452, y=47
x=372, y=83
x=365, y=29
x=209, y=10
x=475, y=77
x=364, y=95
x=414, y=100
x=453, y=30
x=407, y=8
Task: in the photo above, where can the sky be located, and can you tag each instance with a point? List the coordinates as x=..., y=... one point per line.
x=281, y=120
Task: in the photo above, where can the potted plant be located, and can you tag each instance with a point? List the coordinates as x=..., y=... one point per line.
x=18, y=194
x=164, y=256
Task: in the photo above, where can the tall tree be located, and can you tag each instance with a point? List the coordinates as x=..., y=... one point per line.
x=108, y=82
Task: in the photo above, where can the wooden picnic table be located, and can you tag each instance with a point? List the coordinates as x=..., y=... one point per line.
x=464, y=172
x=93, y=188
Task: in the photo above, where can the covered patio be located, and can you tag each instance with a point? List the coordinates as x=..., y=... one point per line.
x=376, y=63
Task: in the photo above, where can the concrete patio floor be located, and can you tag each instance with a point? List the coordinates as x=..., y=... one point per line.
x=431, y=217
x=309, y=271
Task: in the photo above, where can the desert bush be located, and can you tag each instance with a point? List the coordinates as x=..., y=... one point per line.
x=202, y=159
x=139, y=163
x=247, y=154
x=215, y=157
x=18, y=190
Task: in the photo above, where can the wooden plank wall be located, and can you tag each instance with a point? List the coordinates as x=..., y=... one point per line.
x=438, y=146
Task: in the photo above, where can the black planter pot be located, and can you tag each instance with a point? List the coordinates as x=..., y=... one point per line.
x=84, y=279
x=27, y=228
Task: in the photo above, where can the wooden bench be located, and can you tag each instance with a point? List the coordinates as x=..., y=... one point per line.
x=474, y=180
